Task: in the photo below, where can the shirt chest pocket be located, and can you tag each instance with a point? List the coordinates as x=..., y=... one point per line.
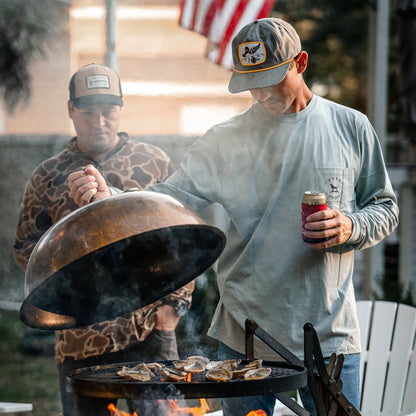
x=338, y=185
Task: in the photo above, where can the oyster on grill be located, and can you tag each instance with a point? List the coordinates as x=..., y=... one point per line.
x=194, y=367
x=155, y=367
x=257, y=373
x=199, y=358
x=254, y=364
x=180, y=364
x=227, y=364
x=139, y=372
x=172, y=374
x=240, y=372
x=219, y=374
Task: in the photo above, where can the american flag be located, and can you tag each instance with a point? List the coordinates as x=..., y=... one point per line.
x=219, y=21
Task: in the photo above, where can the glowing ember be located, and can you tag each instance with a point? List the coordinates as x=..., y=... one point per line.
x=257, y=413
x=174, y=410
x=115, y=412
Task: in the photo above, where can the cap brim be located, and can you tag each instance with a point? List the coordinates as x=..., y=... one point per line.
x=92, y=99
x=244, y=81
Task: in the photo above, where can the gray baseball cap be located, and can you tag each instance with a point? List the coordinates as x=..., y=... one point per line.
x=262, y=51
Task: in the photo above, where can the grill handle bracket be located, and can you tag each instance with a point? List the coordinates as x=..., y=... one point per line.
x=252, y=328
x=323, y=384
x=291, y=404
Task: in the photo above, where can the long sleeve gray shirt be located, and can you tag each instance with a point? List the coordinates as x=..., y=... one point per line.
x=257, y=167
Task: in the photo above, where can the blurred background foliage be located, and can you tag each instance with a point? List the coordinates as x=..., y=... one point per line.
x=26, y=30
x=336, y=37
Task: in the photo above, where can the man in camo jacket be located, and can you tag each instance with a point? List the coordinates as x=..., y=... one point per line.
x=148, y=334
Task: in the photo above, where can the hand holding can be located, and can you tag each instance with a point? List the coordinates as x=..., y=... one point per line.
x=313, y=201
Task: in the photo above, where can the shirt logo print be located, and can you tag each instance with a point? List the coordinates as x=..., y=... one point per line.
x=333, y=188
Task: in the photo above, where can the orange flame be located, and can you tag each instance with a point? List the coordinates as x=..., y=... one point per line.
x=175, y=410
x=115, y=412
x=257, y=413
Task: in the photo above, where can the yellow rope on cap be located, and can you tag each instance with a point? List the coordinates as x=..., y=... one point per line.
x=262, y=69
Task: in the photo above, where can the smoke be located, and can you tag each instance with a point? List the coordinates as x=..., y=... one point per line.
x=193, y=327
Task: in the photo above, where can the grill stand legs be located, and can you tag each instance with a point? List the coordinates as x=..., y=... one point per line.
x=325, y=386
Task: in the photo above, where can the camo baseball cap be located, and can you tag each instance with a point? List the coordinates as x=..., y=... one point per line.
x=262, y=51
x=94, y=84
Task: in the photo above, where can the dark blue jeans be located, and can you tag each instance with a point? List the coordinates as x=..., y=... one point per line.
x=240, y=406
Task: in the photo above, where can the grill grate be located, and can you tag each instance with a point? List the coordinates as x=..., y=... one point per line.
x=103, y=381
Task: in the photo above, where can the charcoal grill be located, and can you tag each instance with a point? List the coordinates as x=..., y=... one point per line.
x=103, y=381
x=291, y=374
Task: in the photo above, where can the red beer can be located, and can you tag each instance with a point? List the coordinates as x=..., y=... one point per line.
x=313, y=201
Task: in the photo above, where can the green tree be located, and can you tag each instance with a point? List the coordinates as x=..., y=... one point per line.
x=26, y=29
x=336, y=36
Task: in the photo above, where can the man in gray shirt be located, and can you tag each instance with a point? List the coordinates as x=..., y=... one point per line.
x=256, y=166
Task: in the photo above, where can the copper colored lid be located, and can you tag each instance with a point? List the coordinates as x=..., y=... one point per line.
x=114, y=256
